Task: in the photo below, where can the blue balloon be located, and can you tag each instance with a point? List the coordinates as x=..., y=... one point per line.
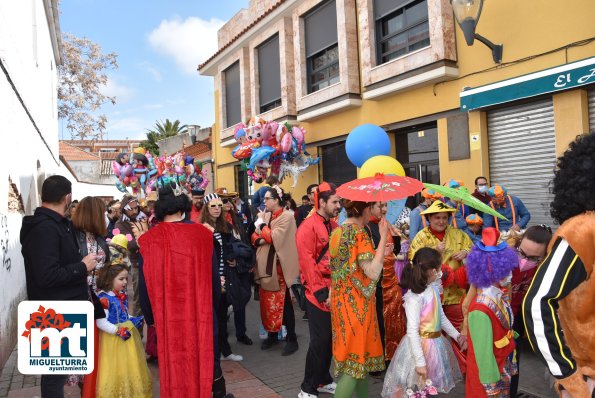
x=259, y=154
x=365, y=142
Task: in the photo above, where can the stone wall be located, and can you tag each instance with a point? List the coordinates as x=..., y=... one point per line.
x=242, y=19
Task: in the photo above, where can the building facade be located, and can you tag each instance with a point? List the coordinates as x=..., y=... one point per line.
x=29, y=55
x=331, y=65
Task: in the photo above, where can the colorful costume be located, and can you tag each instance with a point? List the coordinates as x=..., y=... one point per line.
x=512, y=208
x=423, y=345
x=179, y=276
x=474, y=219
x=400, y=264
x=277, y=266
x=123, y=370
x=357, y=346
x=455, y=240
x=393, y=311
x=389, y=297
x=491, y=359
x=559, y=308
x=455, y=275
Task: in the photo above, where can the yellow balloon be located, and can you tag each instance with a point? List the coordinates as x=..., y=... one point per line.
x=381, y=164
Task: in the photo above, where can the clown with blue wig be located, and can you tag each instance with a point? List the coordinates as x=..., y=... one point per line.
x=491, y=361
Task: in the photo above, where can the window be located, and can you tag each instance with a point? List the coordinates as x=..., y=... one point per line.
x=322, y=50
x=269, y=74
x=233, y=100
x=336, y=167
x=323, y=69
x=401, y=27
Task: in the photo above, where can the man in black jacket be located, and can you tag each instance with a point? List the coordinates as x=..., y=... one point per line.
x=54, y=269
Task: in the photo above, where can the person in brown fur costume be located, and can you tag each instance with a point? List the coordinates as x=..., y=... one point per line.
x=559, y=308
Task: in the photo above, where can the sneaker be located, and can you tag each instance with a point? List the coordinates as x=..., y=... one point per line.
x=304, y=394
x=329, y=388
x=232, y=357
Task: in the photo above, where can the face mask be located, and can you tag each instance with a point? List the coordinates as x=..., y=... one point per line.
x=526, y=265
x=439, y=275
x=482, y=188
x=506, y=281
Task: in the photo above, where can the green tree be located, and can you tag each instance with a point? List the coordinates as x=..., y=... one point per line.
x=160, y=131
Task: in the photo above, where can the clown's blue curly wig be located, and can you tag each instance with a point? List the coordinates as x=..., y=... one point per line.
x=487, y=268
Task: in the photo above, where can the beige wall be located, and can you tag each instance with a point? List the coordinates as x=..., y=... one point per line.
x=525, y=36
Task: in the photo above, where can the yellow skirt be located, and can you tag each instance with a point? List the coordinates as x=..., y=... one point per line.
x=123, y=371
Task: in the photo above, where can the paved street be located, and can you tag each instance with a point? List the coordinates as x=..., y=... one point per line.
x=266, y=374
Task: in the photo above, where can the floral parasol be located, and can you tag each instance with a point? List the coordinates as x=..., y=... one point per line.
x=380, y=188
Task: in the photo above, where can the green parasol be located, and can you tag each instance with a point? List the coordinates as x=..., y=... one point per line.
x=462, y=195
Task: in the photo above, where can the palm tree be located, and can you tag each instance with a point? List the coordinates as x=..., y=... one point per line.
x=160, y=131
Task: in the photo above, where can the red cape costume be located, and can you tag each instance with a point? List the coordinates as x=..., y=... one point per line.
x=177, y=268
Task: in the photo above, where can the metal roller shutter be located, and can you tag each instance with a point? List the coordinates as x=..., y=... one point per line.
x=522, y=149
x=592, y=109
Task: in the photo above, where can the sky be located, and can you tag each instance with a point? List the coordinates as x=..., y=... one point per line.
x=159, y=45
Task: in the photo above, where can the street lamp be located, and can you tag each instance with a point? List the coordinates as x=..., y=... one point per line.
x=467, y=13
x=192, y=130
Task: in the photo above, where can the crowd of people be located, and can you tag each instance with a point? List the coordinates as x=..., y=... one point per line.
x=423, y=303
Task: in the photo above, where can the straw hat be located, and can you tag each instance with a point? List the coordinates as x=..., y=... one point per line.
x=438, y=207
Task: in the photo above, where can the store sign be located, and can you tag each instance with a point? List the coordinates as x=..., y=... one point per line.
x=560, y=78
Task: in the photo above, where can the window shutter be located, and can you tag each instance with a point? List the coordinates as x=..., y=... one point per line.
x=233, y=100
x=321, y=28
x=269, y=71
x=384, y=7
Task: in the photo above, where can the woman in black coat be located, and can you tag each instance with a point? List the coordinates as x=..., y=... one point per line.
x=224, y=259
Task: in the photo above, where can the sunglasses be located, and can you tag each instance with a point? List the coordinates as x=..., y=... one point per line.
x=225, y=201
x=214, y=205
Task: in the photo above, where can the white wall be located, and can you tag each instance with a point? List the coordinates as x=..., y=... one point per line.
x=81, y=189
x=26, y=54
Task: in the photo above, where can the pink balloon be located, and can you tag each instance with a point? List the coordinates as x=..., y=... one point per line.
x=126, y=170
x=116, y=168
x=298, y=134
x=285, y=143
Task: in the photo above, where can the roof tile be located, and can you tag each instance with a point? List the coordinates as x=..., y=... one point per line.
x=70, y=152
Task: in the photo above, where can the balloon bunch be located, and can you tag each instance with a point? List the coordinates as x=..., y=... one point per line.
x=135, y=172
x=182, y=169
x=267, y=146
x=143, y=173
x=368, y=148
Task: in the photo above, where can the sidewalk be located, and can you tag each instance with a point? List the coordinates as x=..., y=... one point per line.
x=267, y=374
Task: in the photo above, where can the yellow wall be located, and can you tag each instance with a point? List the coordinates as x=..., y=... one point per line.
x=525, y=30
x=571, y=117
x=477, y=165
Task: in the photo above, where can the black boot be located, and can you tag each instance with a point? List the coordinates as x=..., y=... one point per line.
x=270, y=341
x=219, y=389
x=290, y=347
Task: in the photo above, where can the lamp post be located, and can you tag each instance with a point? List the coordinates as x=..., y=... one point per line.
x=467, y=13
x=192, y=130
